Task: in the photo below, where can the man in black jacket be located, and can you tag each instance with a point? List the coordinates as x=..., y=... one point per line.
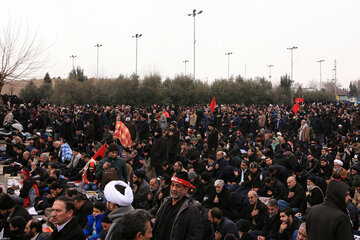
x=271, y=223
x=83, y=208
x=296, y=194
x=212, y=138
x=178, y=218
x=9, y=210
x=67, y=227
x=330, y=219
x=221, y=226
x=289, y=224
x=173, y=142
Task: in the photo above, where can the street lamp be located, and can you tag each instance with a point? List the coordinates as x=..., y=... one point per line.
x=270, y=66
x=136, y=36
x=228, y=54
x=320, y=61
x=72, y=57
x=97, y=59
x=193, y=14
x=185, y=61
x=291, y=76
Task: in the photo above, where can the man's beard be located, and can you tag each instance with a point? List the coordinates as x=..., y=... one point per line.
x=175, y=196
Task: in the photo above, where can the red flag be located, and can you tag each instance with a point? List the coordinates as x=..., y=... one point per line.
x=212, y=104
x=166, y=114
x=123, y=134
x=100, y=152
x=298, y=100
x=295, y=108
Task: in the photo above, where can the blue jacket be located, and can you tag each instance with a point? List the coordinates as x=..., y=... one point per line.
x=88, y=230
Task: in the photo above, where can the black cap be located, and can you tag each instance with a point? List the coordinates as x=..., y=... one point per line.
x=6, y=202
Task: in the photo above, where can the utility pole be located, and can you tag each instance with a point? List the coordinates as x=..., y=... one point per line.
x=185, y=61
x=72, y=58
x=270, y=66
x=320, y=61
x=228, y=54
x=97, y=59
x=292, y=67
x=193, y=14
x=136, y=36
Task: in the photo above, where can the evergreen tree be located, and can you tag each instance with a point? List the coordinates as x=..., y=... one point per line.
x=47, y=78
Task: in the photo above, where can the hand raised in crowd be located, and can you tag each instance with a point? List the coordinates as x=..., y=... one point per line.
x=218, y=235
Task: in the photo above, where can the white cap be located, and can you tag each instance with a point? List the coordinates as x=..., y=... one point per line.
x=115, y=196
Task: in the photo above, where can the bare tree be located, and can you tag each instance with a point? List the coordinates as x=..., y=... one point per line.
x=21, y=54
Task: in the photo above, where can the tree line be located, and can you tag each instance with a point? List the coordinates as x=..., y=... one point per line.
x=152, y=89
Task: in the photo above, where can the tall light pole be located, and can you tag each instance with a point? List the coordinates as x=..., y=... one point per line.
x=320, y=61
x=228, y=54
x=97, y=59
x=185, y=61
x=291, y=76
x=270, y=66
x=193, y=14
x=335, y=75
x=136, y=36
x=72, y=58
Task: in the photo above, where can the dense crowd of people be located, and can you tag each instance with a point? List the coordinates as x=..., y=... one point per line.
x=233, y=172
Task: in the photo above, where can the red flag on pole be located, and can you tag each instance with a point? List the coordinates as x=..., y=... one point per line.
x=212, y=104
x=100, y=152
x=298, y=100
x=166, y=114
x=295, y=108
x=123, y=134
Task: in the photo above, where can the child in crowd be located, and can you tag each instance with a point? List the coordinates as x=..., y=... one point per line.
x=106, y=224
x=94, y=225
x=90, y=179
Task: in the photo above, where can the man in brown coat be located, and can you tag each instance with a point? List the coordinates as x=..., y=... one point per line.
x=304, y=132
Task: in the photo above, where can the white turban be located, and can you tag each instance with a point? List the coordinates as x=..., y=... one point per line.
x=338, y=162
x=115, y=196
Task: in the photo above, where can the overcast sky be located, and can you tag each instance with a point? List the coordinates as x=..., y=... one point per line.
x=258, y=32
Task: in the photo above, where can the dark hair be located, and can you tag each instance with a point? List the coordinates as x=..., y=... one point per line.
x=216, y=213
x=56, y=172
x=80, y=197
x=71, y=192
x=288, y=212
x=100, y=205
x=54, y=165
x=69, y=204
x=37, y=225
x=245, y=162
x=106, y=218
x=55, y=185
x=18, y=221
x=134, y=222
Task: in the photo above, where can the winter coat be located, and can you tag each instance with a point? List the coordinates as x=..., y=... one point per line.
x=158, y=151
x=88, y=230
x=116, y=216
x=187, y=223
x=71, y=231
x=330, y=220
x=141, y=196
x=299, y=195
x=225, y=227
x=84, y=212
x=118, y=163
